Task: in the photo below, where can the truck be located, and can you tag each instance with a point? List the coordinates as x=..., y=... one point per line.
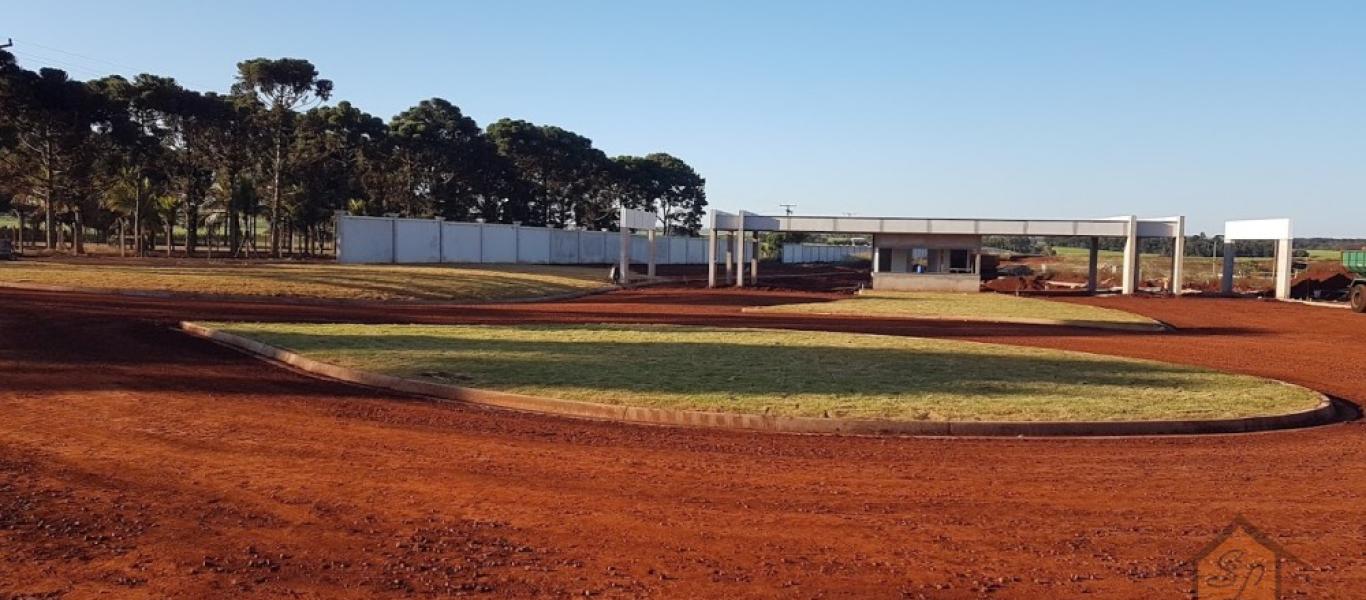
x=1355, y=261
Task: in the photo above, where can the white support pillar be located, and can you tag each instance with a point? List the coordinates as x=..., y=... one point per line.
x=1131, y=256
x=650, y=269
x=877, y=254
x=1284, y=254
x=711, y=253
x=740, y=255
x=727, y=249
x=1179, y=257
x=1230, y=260
x=624, y=268
x=1093, y=266
x=754, y=261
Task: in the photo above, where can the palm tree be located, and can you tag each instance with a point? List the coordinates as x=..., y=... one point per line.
x=166, y=206
x=128, y=198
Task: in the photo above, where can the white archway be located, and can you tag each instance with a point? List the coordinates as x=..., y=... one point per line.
x=1279, y=230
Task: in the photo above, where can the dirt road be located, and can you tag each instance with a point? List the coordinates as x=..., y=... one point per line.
x=138, y=462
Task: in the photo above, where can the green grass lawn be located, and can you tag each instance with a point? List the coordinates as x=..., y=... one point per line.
x=787, y=372
x=1327, y=255
x=947, y=305
x=464, y=283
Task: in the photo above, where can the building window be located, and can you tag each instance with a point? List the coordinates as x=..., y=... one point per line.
x=918, y=261
x=960, y=261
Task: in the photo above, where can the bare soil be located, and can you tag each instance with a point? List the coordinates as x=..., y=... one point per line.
x=137, y=462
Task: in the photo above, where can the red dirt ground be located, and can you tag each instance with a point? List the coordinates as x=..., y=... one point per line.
x=138, y=462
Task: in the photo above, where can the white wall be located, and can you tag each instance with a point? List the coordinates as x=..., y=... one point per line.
x=394, y=240
x=822, y=253
x=365, y=240
x=418, y=240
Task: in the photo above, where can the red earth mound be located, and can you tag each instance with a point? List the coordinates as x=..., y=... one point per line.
x=1322, y=280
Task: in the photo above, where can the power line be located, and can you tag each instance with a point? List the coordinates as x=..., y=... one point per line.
x=81, y=56
x=90, y=68
x=45, y=61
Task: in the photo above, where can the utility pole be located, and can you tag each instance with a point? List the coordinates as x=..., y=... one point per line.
x=8, y=42
x=788, y=208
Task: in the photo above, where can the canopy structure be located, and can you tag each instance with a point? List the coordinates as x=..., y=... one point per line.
x=925, y=253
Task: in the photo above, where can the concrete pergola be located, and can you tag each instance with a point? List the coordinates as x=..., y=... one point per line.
x=895, y=233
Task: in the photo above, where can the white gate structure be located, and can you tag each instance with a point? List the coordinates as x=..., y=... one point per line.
x=1280, y=230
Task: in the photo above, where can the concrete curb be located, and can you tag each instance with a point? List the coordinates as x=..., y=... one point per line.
x=1326, y=412
x=1318, y=303
x=300, y=301
x=1155, y=327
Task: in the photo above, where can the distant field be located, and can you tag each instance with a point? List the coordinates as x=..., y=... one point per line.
x=466, y=283
x=982, y=307
x=814, y=374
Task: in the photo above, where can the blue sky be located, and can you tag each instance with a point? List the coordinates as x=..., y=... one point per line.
x=1003, y=109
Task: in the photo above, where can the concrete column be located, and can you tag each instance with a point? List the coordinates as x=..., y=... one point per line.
x=876, y=254
x=740, y=255
x=393, y=240
x=711, y=256
x=441, y=239
x=1284, y=254
x=624, y=256
x=727, y=249
x=1131, y=254
x=754, y=261
x=650, y=269
x=1179, y=257
x=1093, y=266
x=1230, y=258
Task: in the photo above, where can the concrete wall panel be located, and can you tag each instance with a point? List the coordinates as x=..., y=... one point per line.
x=593, y=247
x=500, y=243
x=365, y=240
x=461, y=243
x=417, y=240
x=564, y=247
x=822, y=253
x=697, y=251
x=640, y=249
x=533, y=245
x=678, y=250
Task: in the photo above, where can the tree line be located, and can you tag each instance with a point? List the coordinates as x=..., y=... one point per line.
x=148, y=154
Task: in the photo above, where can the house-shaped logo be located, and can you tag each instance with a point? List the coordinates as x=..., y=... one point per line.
x=1240, y=564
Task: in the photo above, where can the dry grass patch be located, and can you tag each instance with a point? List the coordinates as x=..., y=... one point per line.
x=460, y=283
